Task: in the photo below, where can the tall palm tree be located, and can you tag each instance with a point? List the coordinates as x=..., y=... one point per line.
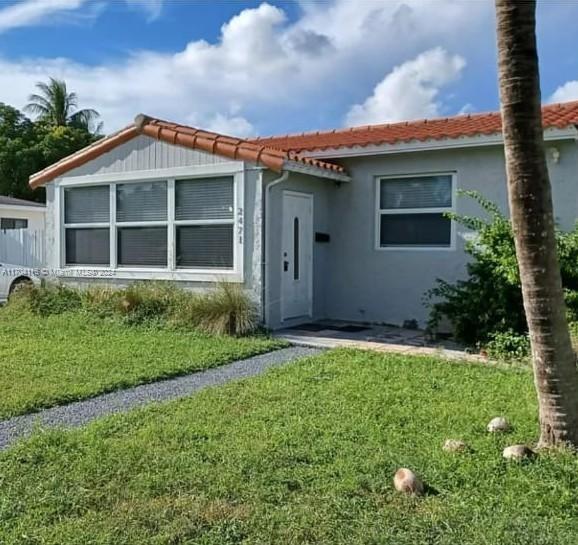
x=530, y=198
x=55, y=105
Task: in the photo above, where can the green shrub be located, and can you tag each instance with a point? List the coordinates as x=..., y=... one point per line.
x=508, y=346
x=49, y=299
x=490, y=301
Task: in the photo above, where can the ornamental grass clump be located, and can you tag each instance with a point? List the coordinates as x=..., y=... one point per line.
x=225, y=310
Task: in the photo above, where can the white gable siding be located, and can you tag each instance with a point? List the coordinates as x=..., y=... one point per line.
x=145, y=153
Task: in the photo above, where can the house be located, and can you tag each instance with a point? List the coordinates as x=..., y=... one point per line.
x=16, y=214
x=346, y=224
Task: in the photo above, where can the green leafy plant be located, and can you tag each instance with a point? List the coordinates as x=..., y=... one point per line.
x=489, y=300
x=48, y=300
x=508, y=346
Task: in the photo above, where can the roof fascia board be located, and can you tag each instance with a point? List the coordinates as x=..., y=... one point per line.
x=301, y=168
x=570, y=133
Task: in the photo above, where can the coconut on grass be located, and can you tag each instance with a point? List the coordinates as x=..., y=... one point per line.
x=406, y=481
x=456, y=445
x=499, y=424
x=518, y=452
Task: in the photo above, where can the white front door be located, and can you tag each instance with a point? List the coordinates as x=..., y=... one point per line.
x=297, y=255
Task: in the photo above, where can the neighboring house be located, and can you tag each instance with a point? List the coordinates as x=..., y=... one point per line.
x=346, y=224
x=22, y=237
x=16, y=214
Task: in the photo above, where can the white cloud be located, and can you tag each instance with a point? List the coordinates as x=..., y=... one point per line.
x=35, y=12
x=235, y=125
x=565, y=93
x=263, y=68
x=153, y=8
x=31, y=12
x=410, y=91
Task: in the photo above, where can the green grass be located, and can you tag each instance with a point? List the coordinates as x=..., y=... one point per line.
x=51, y=360
x=302, y=455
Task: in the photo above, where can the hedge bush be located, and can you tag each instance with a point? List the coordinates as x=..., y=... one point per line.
x=487, y=306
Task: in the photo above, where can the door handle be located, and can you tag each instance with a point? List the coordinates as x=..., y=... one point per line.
x=285, y=266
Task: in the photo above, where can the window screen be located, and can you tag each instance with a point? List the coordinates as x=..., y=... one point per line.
x=204, y=199
x=205, y=246
x=87, y=204
x=422, y=192
x=415, y=230
x=142, y=246
x=87, y=247
x=13, y=223
x=141, y=202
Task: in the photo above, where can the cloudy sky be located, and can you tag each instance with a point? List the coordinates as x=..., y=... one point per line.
x=246, y=68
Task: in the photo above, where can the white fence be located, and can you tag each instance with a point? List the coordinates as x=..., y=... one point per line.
x=22, y=247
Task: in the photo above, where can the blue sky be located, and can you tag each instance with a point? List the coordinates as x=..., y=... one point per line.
x=250, y=67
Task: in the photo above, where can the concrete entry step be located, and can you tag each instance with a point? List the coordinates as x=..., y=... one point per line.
x=382, y=338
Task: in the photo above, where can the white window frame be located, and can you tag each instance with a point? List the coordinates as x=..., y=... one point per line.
x=171, y=272
x=380, y=212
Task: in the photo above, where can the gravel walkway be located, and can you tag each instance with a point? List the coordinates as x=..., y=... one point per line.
x=81, y=412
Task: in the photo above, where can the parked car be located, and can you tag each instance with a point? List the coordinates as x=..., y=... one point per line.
x=14, y=277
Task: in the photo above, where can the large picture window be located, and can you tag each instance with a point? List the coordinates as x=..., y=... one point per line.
x=411, y=211
x=174, y=224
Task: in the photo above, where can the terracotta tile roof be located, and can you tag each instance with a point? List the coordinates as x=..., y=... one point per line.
x=189, y=137
x=554, y=116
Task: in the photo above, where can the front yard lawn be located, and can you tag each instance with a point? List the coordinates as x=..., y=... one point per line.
x=51, y=360
x=302, y=455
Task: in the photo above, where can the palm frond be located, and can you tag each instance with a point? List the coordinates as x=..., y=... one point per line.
x=56, y=105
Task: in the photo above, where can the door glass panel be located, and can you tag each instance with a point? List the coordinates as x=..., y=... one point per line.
x=296, y=249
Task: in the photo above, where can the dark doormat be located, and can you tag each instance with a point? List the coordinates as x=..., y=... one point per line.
x=310, y=327
x=320, y=327
x=351, y=328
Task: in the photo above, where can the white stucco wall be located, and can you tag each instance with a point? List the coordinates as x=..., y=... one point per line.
x=365, y=284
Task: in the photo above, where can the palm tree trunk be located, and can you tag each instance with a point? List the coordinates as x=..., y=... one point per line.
x=530, y=197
